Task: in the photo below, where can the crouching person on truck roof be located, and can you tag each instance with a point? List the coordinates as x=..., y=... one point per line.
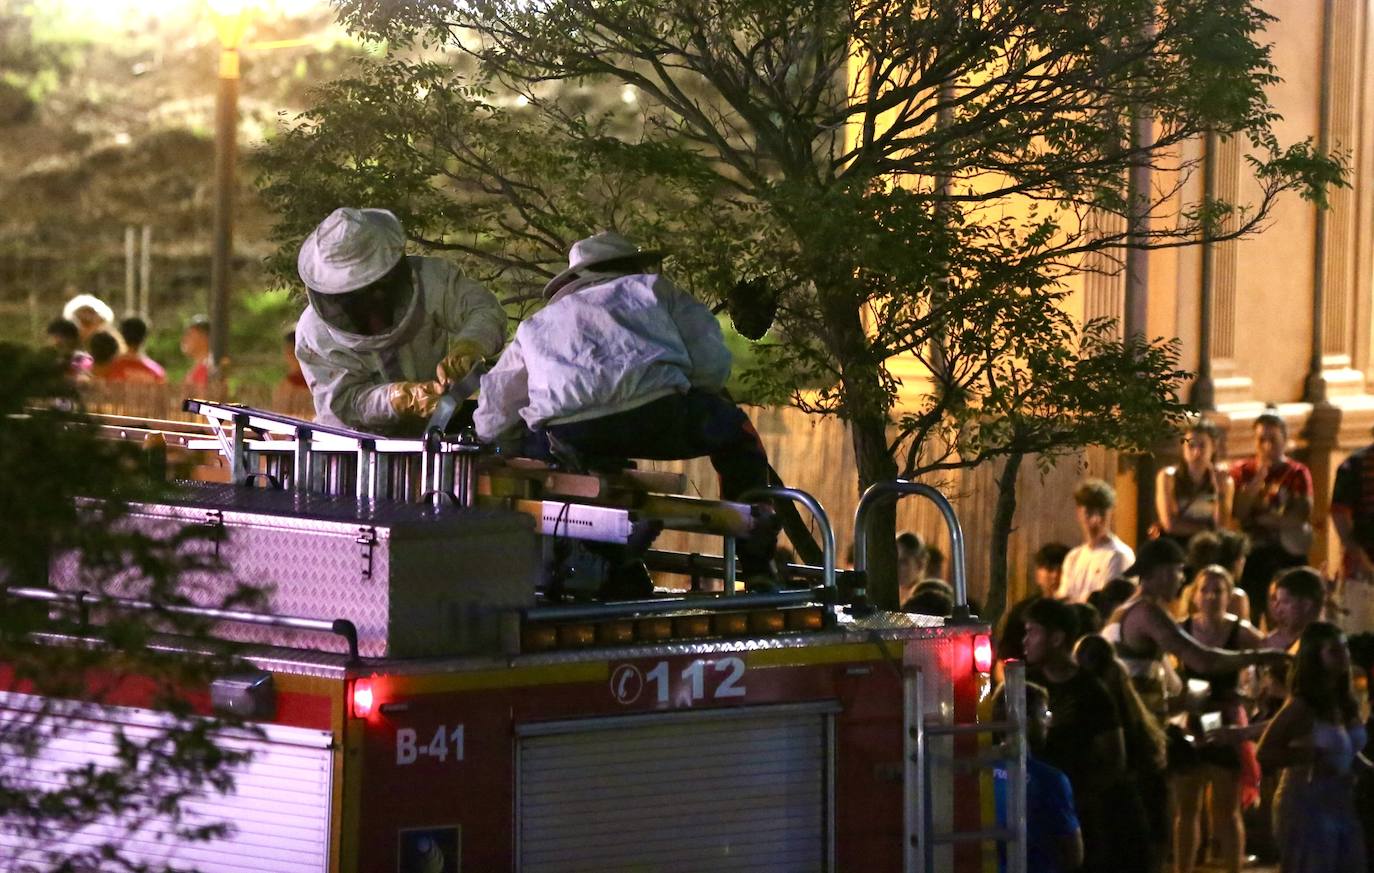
x=385, y=334
x=621, y=363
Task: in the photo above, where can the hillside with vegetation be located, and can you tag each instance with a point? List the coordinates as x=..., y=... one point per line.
x=107, y=122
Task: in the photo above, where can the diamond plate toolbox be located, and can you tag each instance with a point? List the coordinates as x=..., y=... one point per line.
x=416, y=581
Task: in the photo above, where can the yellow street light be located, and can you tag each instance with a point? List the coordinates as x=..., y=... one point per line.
x=230, y=18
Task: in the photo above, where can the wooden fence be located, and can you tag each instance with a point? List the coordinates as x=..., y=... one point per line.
x=817, y=456
x=165, y=401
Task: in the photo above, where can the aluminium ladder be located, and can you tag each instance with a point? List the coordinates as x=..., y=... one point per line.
x=920, y=840
x=918, y=843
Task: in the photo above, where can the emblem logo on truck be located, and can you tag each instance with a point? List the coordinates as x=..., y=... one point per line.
x=627, y=682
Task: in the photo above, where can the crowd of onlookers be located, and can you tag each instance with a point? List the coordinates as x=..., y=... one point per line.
x=94, y=349
x=1192, y=702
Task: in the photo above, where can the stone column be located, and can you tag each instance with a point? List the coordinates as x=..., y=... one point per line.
x=1330, y=373
x=1203, y=392
x=1224, y=382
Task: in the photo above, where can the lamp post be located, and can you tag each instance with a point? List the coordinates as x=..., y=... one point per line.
x=231, y=20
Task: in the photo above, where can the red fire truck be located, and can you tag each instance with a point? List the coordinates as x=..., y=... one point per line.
x=425, y=707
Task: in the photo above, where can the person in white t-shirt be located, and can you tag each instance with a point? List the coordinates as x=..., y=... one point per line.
x=1102, y=555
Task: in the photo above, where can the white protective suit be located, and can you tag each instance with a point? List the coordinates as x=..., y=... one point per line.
x=348, y=372
x=605, y=344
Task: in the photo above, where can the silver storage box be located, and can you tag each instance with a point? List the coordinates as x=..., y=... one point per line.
x=416, y=581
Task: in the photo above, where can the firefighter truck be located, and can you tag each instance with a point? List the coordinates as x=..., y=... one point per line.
x=433, y=692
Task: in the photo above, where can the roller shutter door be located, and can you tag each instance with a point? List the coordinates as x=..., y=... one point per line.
x=729, y=790
x=279, y=810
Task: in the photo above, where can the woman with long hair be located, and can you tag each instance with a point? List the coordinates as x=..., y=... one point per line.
x=1220, y=766
x=1316, y=740
x=1194, y=495
x=1227, y=549
x=1139, y=811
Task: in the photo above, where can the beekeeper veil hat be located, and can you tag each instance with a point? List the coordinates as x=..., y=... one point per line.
x=602, y=250
x=350, y=249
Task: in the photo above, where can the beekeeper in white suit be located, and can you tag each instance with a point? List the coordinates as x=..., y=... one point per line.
x=384, y=334
x=622, y=363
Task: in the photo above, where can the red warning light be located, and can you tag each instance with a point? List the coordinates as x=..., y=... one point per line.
x=362, y=698
x=982, y=653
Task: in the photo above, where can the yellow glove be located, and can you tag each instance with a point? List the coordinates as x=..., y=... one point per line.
x=461, y=356
x=414, y=399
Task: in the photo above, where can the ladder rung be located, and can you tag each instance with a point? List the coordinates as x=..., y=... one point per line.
x=999, y=835
x=985, y=727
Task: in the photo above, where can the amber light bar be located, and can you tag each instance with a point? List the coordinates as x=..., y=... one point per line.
x=545, y=636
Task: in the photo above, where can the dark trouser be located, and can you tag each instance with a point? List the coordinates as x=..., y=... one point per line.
x=674, y=428
x=1265, y=562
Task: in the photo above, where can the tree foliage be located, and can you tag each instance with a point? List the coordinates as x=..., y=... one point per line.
x=907, y=177
x=66, y=495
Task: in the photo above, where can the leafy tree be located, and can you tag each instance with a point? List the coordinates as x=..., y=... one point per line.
x=65, y=493
x=1059, y=399
x=902, y=177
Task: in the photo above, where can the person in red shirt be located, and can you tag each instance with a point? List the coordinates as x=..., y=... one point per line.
x=1273, y=505
x=195, y=344
x=133, y=365
x=292, y=394
x=127, y=368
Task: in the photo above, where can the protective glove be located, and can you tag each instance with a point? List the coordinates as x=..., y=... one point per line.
x=414, y=399
x=461, y=356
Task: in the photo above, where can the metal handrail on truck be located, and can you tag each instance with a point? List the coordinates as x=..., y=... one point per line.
x=83, y=600
x=822, y=519
x=880, y=491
